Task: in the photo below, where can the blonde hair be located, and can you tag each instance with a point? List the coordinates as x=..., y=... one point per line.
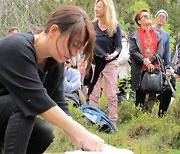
x=109, y=16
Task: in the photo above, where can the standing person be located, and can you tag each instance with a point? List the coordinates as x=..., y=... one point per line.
x=108, y=45
x=123, y=58
x=161, y=18
x=145, y=44
x=37, y=87
x=176, y=58
x=124, y=67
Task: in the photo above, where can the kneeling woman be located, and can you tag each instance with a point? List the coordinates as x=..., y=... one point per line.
x=31, y=83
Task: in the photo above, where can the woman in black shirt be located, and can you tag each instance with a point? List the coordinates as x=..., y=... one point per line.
x=31, y=83
x=108, y=47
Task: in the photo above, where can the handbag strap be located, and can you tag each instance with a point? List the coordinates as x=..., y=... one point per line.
x=160, y=62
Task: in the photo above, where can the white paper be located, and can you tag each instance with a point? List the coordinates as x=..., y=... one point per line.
x=108, y=149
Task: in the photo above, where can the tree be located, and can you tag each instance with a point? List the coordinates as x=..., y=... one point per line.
x=26, y=14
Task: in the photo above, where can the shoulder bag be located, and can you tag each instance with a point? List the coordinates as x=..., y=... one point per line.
x=153, y=82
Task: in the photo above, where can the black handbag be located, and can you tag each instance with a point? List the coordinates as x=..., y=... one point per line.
x=152, y=82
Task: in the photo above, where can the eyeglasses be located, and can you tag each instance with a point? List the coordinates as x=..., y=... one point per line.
x=161, y=16
x=145, y=16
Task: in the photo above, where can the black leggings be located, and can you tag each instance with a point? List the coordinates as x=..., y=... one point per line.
x=164, y=98
x=20, y=134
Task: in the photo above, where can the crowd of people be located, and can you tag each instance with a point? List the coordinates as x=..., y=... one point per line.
x=54, y=72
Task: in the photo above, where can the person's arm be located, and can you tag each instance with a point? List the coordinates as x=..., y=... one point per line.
x=135, y=51
x=117, y=38
x=167, y=57
x=117, y=44
x=79, y=135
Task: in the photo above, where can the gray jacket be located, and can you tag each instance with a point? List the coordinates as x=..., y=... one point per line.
x=137, y=57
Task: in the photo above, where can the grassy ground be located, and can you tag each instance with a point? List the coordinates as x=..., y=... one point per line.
x=141, y=132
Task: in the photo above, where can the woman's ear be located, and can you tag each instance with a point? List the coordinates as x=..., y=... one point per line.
x=139, y=22
x=53, y=31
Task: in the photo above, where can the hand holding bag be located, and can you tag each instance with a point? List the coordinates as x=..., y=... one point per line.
x=153, y=82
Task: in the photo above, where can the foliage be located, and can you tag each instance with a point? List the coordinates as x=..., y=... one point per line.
x=86, y=5
x=30, y=14
x=139, y=131
x=24, y=14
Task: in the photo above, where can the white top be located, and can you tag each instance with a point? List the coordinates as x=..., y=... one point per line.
x=123, y=58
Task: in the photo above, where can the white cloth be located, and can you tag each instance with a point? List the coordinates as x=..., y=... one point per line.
x=108, y=149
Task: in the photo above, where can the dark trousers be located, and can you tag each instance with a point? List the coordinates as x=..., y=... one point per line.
x=20, y=134
x=140, y=98
x=99, y=66
x=164, y=98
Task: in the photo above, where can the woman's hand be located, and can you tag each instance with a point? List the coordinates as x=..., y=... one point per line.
x=146, y=62
x=87, y=141
x=91, y=142
x=150, y=67
x=79, y=135
x=111, y=56
x=177, y=76
x=169, y=72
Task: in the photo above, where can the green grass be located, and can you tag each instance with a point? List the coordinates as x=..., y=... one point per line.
x=141, y=132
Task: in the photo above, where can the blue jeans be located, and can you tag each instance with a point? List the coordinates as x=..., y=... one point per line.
x=20, y=134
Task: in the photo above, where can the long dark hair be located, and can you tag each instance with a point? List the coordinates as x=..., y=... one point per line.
x=72, y=19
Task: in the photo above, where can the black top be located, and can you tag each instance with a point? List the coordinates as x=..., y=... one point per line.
x=107, y=43
x=33, y=91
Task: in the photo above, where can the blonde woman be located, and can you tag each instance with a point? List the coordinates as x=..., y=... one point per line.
x=108, y=46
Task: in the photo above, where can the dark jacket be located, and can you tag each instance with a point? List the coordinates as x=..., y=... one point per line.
x=137, y=57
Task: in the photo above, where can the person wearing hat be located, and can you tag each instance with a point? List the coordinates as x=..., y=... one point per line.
x=161, y=17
